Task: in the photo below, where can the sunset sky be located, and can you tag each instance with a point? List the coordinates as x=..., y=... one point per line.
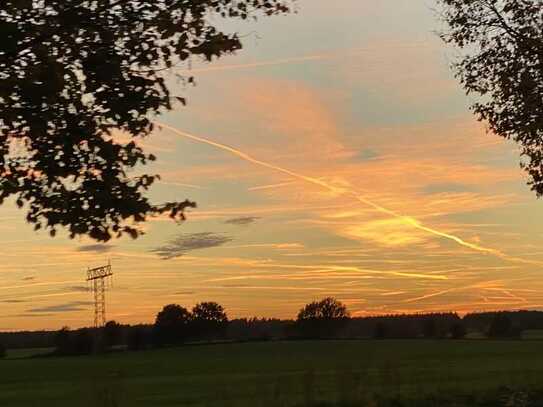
x=334, y=156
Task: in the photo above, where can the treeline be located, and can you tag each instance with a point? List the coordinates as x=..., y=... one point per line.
x=325, y=319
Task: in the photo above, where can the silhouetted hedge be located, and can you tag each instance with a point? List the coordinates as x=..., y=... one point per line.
x=507, y=324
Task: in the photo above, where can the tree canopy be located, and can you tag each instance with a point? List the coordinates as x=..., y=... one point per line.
x=208, y=319
x=75, y=73
x=171, y=324
x=501, y=65
x=210, y=312
x=327, y=308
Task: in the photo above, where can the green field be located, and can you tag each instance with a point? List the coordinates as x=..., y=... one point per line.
x=270, y=373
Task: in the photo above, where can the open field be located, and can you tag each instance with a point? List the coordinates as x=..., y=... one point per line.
x=26, y=353
x=270, y=373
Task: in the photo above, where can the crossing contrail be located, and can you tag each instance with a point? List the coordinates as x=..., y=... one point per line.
x=407, y=220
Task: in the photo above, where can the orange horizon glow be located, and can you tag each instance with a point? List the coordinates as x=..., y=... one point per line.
x=336, y=162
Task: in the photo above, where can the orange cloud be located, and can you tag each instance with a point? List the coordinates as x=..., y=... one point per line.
x=387, y=232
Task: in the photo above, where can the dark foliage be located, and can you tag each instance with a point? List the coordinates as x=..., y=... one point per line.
x=138, y=338
x=502, y=327
x=84, y=342
x=322, y=319
x=502, y=65
x=74, y=74
x=3, y=351
x=172, y=325
x=209, y=320
x=524, y=320
x=429, y=328
x=28, y=339
x=80, y=342
x=112, y=334
x=63, y=343
x=258, y=329
x=402, y=326
x=327, y=308
x=380, y=331
x=458, y=330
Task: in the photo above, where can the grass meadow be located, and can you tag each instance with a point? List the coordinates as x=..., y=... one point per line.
x=272, y=374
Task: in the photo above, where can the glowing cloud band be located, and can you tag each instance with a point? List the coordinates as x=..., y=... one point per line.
x=407, y=220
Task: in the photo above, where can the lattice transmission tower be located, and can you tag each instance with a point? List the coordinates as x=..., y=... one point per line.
x=98, y=277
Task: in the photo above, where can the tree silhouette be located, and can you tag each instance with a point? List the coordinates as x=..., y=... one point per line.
x=429, y=328
x=458, y=330
x=137, y=339
x=328, y=308
x=380, y=330
x=322, y=319
x=208, y=319
x=63, y=344
x=76, y=73
x=501, y=326
x=112, y=334
x=84, y=342
x=171, y=325
x=502, y=65
x=3, y=352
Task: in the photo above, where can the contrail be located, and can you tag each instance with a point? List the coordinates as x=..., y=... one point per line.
x=296, y=60
x=272, y=186
x=14, y=287
x=343, y=191
x=285, y=61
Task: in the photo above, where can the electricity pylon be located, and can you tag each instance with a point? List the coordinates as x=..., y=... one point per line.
x=98, y=277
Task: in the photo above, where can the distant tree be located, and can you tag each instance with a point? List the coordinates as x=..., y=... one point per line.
x=208, y=319
x=429, y=328
x=380, y=331
x=137, y=339
x=75, y=73
x=84, y=342
x=328, y=308
x=2, y=351
x=171, y=325
x=501, y=327
x=112, y=334
x=63, y=343
x=80, y=342
x=458, y=330
x=502, y=67
x=322, y=319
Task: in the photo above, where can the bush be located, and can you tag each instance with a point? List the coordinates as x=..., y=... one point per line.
x=458, y=331
x=84, y=343
x=380, y=331
x=80, y=342
x=137, y=339
x=502, y=327
x=429, y=328
x=112, y=334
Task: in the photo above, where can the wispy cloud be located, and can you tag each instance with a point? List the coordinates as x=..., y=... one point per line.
x=78, y=289
x=243, y=221
x=60, y=308
x=95, y=248
x=345, y=190
x=184, y=243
